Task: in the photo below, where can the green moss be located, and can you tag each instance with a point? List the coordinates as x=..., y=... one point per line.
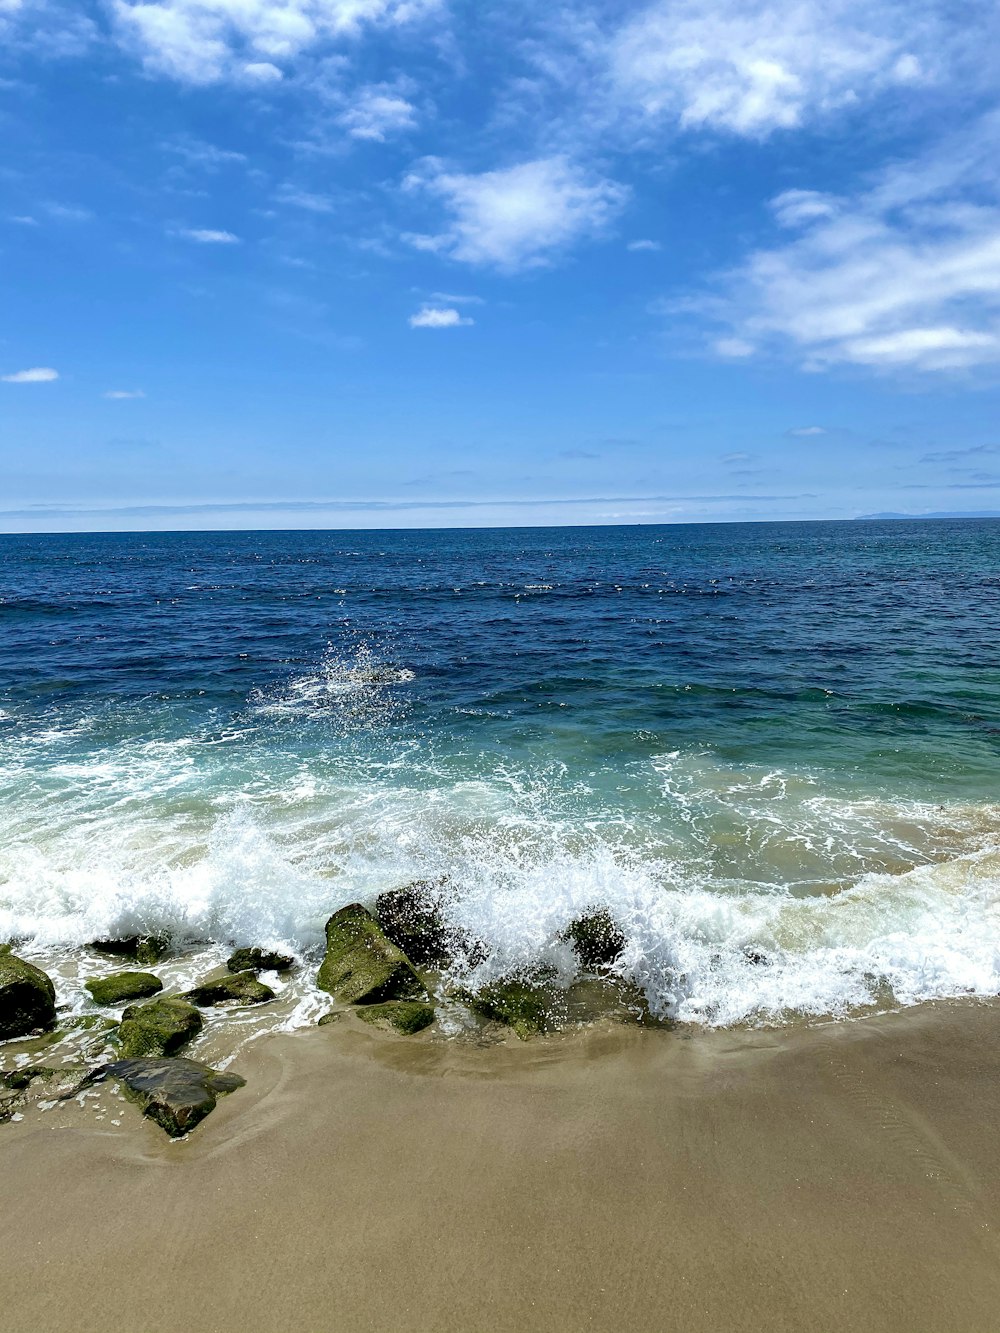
x=160, y=1027
x=19, y=1079
x=334, y=1016
x=363, y=966
x=405, y=1016
x=27, y=998
x=145, y=949
x=597, y=939
x=123, y=986
x=259, y=960
x=243, y=988
x=525, y=1004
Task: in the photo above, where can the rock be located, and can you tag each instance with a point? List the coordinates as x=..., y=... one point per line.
x=145, y=949
x=523, y=1003
x=178, y=1094
x=363, y=966
x=597, y=939
x=405, y=1016
x=259, y=960
x=27, y=998
x=123, y=986
x=755, y=957
x=159, y=1027
x=334, y=1016
x=243, y=988
x=19, y=1079
x=411, y=918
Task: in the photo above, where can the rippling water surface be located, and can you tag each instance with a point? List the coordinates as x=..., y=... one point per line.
x=771, y=749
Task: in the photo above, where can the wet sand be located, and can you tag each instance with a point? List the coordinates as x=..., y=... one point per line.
x=842, y=1176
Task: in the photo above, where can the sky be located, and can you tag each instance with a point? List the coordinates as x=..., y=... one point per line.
x=415, y=263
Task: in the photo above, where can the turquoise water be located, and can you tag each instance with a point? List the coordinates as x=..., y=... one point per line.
x=777, y=740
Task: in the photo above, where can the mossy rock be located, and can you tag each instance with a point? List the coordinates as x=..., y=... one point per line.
x=334, y=1016
x=27, y=998
x=243, y=988
x=362, y=965
x=178, y=1094
x=597, y=939
x=123, y=986
x=411, y=918
x=405, y=1016
x=19, y=1079
x=159, y=1027
x=259, y=960
x=526, y=1004
x=145, y=949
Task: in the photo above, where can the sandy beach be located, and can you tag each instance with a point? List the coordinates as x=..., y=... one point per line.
x=841, y=1175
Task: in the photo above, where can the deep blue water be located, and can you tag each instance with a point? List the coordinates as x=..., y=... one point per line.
x=783, y=736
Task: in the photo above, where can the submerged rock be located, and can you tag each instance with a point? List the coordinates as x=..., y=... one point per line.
x=411, y=918
x=159, y=1027
x=145, y=949
x=405, y=1016
x=177, y=1093
x=362, y=965
x=27, y=998
x=259, y=960
x=597, y=939
x=525, y=1004
x=123, y=986
x=243, y=988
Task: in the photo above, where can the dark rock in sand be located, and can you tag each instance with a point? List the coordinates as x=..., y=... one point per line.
x=259, y=960
x=159, y=1027
x=362, y=965
x=243, y=988
x=597, y=939
x=525, y=1004
x=405, y=1016
x=178, y=1094
x=27, y=998
x=123, y=986
x=145, y=949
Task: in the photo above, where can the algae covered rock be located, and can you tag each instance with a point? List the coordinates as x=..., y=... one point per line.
x=411, y=918
x=243, y=988
x=27, y=998
x=145, y=949
x=362, y=965
x=159, y=1027
x=334, y=1016
x=405, y=1016
x=597, y=939
x=123, y=986
x=177, y=1093
x=259, y=960
x=525, y=1004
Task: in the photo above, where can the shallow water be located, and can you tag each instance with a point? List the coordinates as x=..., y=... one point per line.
x=777, y=740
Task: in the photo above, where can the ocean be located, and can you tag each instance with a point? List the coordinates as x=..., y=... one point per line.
x=772, y=751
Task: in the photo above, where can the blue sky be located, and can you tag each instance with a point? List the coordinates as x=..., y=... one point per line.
x=358, y=263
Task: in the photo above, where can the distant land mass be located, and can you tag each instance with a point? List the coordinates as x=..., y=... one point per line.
x=945, y=513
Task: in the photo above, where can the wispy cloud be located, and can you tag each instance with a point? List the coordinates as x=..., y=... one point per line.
x=806, y=432
x=205, y=41
x=904, y=275
x=378, y=111
x=517, y=217
x=638, y=246
x=437, y=317
x=124, y=393
x=207, y=236
x=36, y=375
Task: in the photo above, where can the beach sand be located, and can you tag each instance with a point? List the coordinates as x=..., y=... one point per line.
x=841, y=1176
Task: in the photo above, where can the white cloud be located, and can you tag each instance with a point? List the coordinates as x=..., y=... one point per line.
x=450, y=298
x=312, y=203
x=435, y=317
x=735, y=348
x=206, y=236
x=203, y=41
x=904, y=274
x=639, y=246
x=516, y=217
x=23, y=220
x=805, y=432
x=124, y=393
x=36, y=375
x=752, y=68
x=376, y=112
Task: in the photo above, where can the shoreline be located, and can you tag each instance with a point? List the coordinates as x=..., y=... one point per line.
x=802, y=1178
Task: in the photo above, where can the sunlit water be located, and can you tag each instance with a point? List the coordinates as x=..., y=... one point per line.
x=770, y=750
